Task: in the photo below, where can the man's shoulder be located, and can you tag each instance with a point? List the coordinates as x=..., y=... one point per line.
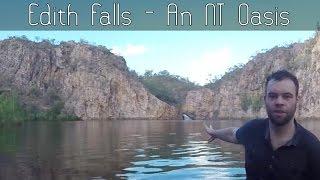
x=310, y=144
x=308, y=138
x=251, y=129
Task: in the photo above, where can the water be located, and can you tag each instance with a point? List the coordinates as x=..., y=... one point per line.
x=128, y=149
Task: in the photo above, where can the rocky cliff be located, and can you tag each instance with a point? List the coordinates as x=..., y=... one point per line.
x=239, y=93
x=91, y=82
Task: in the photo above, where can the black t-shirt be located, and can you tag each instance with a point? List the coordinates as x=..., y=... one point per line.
x=297, y=159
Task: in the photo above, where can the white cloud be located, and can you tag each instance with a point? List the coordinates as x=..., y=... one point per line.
x=214, y=62
x=129, y=50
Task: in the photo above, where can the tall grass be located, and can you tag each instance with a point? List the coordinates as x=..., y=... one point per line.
x=53, y=114
x=10, y=110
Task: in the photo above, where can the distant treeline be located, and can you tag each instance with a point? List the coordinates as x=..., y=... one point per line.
x=232, y=72
x=169, y=88
x=173, y=89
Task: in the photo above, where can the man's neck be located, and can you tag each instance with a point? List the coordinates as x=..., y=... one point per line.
x=280, y=135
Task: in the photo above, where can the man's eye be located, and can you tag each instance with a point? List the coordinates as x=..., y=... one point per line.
x=287, y=96
x=272, y=96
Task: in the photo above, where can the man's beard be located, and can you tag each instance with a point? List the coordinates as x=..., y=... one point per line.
x=276, y=121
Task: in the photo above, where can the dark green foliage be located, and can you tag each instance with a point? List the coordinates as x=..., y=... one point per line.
x=164, y=73
x=10, y=109
x=24, y=37
x=232, y=72
x=83, y=41
x=160, y=90
x=55, y=113
x=133, y=73
x=254, y=101
x=104, y=49
x=148, y=73
x=52, y=96
x=67, y=117
x=35, y=92
x=52, y=41
x=171, y=89
x=245, y=102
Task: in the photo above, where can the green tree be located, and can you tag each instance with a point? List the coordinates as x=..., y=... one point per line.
x=164, y=73
x=171, y=89
x=148, y=73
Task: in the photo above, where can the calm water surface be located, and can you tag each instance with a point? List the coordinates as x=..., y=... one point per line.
x=135, y=149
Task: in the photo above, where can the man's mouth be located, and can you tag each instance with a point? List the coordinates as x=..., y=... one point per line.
x=279, y=112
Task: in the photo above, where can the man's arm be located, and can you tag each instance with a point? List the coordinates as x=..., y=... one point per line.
x=227, y=134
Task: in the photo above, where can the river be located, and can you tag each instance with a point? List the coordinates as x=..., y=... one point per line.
x=120, y=149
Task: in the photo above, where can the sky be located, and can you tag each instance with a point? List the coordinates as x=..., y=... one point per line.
x=196, y=55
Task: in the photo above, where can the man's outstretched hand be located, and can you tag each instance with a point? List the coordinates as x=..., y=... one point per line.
x=210, y=131
x=226, y=134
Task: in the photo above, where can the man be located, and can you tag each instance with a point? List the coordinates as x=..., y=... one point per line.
x=276, y=147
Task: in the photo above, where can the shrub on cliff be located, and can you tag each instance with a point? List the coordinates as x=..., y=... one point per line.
x=251, y=101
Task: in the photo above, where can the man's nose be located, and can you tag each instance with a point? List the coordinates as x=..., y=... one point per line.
x=279, y=101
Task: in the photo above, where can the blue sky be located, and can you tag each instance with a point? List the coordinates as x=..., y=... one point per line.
x=191, y=54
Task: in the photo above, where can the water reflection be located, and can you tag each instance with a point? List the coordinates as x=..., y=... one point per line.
x=136, y=149
x=184, y=153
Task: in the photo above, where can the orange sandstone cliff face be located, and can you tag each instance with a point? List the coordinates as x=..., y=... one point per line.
x=239, y=94
x=92, y=82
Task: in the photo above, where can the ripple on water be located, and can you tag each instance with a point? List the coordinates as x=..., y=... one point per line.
x=163, y=162
x=191, y=173
x=190, y=151
x=154, y=156
x=196, y=161
x=99, y=153
x=143, y=169
x=140, y=150
x=140, y=155
x=186, y=161
x=97, y=178
x=171, y=145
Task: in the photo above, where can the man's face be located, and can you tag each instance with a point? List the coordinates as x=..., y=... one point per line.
x=281, y=101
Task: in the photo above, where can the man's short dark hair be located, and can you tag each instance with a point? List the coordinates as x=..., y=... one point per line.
x=281, y=75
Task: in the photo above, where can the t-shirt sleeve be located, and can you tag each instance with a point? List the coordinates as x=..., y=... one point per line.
x=244, y=132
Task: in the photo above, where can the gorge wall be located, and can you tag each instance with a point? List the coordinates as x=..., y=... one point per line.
x=239, y=93
x=92, y=82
